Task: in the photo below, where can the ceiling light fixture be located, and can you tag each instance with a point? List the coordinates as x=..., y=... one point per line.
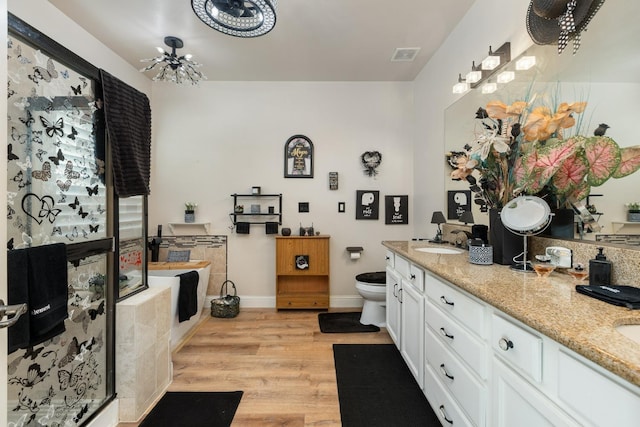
x=240, y=18
x=174, y=68
x=498, y=58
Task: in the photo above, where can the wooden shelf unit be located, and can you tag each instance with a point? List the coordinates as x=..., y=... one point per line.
x=302, y=288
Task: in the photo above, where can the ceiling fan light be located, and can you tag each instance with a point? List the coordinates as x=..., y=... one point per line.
x=174, y=68
x=242, y=18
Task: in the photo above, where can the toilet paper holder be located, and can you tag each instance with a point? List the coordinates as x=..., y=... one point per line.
x=354, y=251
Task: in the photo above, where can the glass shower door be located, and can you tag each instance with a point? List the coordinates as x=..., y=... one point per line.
x=57, y=194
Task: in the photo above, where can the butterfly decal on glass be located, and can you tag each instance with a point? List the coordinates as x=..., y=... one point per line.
x=69, y=379
x=77, y=90
x=73, y=134
x=82, y=213
x=64, y=186
x=11, y=156
x=81, y=413
x=29, y=120
x=56, y=231
x=17, y=136
x=64, y=74
x=44, y=174
x=74, y=233
x=91, y=191
x=40, y=153
x=41, y=73
x=11, y=212
x=94, y=229
x=53, y=128
x=73, y=349
x=26, y=164
x=100, y=209
x=19, y=178
x=69, y=172
x=46, y=210
x=58, y=158
x=21, y=58
x=75, y=204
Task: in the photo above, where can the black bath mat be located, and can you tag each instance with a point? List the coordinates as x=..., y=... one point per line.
x=376, y=388
x=343, y=323
x=194, y=409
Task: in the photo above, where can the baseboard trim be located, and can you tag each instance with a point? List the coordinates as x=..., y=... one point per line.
x=339, y=301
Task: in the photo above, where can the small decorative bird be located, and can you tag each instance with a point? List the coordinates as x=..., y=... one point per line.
x=601, y=130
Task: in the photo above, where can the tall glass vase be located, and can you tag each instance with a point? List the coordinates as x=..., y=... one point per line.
x=506, y=245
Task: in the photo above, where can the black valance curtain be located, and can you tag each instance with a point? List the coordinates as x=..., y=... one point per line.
x=128, y=122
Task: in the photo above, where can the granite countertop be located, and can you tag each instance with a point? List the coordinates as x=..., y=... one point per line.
x=551, y=306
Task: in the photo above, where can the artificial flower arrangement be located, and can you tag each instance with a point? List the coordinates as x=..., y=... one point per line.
x=633, y=207
x=190, y=206
x=523, y=149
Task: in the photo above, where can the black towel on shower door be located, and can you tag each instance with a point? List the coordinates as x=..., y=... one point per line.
x=188, y=295
x=18, y=293
x=48, y=291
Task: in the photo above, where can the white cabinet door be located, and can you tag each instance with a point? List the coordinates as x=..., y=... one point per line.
x=412, y=329
x=517, y=403
x=394, y=288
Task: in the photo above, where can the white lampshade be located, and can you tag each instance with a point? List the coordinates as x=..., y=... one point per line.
x=473, y=76
x=506, y=76
x=460, y=87
x=489, y=87
x=490, y=62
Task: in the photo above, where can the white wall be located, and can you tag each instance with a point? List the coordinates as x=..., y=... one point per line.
x=487, y=23
x=225, y=137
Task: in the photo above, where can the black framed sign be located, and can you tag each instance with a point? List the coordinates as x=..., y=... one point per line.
x=396, y=209
x=458, y=201
x=367, y=203
x=298, y=157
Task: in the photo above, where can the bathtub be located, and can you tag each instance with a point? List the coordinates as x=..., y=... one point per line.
x=163, y=274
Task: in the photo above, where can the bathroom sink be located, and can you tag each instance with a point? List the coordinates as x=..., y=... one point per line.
x=432, y=250
x=630, y=331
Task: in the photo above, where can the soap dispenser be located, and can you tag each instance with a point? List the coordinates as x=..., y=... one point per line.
x=600, y=270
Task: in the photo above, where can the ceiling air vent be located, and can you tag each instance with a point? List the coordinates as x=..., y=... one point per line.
x=405, y=54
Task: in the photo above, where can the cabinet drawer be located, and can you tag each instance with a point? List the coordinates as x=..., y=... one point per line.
x=463, y=386
x=603, y=402
x=416, y=277
x=454, y=336
x=390, y=258
x=402, y=266
x=448, y=412
x=469, y=312
x=520, y=348
x=305, y=301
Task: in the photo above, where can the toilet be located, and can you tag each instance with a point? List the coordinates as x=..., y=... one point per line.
x=372, y=287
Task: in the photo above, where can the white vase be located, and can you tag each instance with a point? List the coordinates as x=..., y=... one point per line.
x=189, y=216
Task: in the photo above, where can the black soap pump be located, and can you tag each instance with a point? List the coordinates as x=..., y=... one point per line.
x=600, y=270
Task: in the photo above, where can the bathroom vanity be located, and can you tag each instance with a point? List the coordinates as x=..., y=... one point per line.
x=302, y=272
x=495, y=347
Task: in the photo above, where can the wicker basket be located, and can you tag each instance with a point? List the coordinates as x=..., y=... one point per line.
x=226, y=306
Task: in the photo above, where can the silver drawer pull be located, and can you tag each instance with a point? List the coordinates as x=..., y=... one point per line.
x=446, y=301
x=444, y=415
x=395, y=289
x=412, y=276
x=445, y=334
x=445, y=373
x=505, y=344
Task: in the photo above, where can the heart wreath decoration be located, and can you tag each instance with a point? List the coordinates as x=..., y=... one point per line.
x=371, y=160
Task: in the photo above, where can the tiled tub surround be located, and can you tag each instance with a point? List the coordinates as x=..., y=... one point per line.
x=143, y=356
x=552, y=306
x=207, y=248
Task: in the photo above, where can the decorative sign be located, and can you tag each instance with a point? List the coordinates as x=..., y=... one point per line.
x=302, y=262
x=298, y=157
x=396, y=209
x=458, y=202
x=333, y=180
x=367, y=203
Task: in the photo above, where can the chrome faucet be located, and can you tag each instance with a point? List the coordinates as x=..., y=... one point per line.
x=460, y=243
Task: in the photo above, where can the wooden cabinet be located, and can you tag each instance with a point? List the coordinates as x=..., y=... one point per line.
x=302, y=272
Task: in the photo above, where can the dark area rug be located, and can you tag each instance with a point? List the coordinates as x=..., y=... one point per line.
x=197, y=409
x=343, y=323
x=376, y=388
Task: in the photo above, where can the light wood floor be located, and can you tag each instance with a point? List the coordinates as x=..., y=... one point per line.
x=281, y=361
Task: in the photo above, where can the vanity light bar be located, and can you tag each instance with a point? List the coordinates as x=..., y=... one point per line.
x=461, y=87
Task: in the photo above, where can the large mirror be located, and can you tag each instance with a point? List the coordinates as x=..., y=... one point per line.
x=605, y=72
